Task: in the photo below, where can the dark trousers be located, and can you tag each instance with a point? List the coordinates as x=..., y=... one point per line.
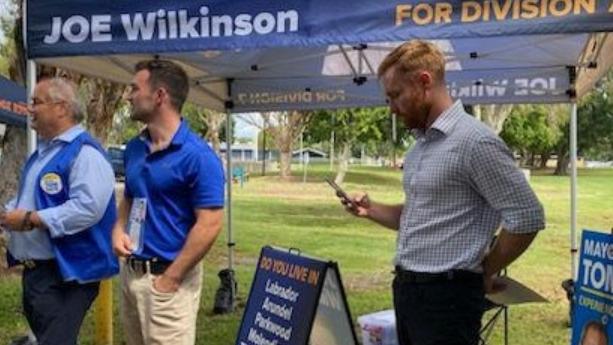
x=55, y=309
x=444, y=312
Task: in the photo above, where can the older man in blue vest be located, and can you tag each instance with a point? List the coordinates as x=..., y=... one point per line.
x=61, y=219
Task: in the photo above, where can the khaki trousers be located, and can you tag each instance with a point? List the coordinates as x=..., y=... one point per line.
x=151, y=317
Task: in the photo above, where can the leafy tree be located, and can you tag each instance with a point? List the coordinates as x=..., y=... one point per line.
x=594, y=127
x=493, y=115
x=531, y=131
x=208, y=123
x=353, y=129
x=123, y=128
x=265, y=140
x=595, y=123
x=284, y=128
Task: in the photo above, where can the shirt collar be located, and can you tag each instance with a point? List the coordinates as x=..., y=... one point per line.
x=445, y=122
x=67, y=136
x=71, y=134
x=178, y=138
x=181, y=134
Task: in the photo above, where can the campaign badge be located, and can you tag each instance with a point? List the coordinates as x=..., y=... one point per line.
x=51, y=183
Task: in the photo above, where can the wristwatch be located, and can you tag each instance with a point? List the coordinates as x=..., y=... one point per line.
x=27, y=222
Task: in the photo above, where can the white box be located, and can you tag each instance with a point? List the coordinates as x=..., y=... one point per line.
x=379, y=328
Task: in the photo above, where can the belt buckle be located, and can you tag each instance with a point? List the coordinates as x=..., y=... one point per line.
x=29, y=264
x=136, y=265
x=141, y=266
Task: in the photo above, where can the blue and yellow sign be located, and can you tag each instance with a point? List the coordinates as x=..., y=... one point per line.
x=593, y=313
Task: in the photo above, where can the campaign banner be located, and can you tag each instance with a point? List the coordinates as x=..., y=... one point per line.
x=85, y=27
x=13, y=107
x=295, y=300
x=593, y=307
x=329, y=92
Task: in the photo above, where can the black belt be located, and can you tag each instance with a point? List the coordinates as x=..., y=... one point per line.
x=32, y=264
x=426, y=277
x=154, y=266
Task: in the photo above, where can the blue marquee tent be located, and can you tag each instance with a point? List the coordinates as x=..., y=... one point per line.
x=262, y=55
x=13, y=107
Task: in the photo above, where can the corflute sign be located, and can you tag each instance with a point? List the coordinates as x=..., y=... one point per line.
x=295, y=300
x=593, y=305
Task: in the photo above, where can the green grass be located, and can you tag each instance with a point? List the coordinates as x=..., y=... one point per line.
x=308, y=216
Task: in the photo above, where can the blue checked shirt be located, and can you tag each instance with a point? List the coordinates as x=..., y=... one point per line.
x=461, y=184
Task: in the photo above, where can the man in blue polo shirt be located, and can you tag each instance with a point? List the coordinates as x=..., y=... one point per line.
x=171, y=213
x=60, y=222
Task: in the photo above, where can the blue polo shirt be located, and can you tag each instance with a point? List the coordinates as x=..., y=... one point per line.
x=185, y=176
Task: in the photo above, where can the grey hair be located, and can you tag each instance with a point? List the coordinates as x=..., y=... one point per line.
x=62, y=90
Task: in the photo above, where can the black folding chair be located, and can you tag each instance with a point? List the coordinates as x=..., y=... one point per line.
x=499, y=311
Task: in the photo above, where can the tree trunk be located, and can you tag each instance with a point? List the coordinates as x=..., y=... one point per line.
x=17, y=67
x=284, y=144
x=285, y=128
x=105, y=98
x=343, y=163
x=214, y=121
x=524, y=160
x=14, y=151
x=562, y=164
x=285, y=161
x=494, y=115
x=213, y=138
x=544, y=159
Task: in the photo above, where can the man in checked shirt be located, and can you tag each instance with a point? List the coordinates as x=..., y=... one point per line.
x=461, y=185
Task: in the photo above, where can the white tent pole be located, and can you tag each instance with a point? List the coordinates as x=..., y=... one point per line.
x=30, y=79
x=30, y=84
x=301, y=148
x=229, y=105
x=573, y=188
x=229, y=187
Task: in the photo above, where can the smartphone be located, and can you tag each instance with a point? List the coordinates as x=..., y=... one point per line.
x=341, y=193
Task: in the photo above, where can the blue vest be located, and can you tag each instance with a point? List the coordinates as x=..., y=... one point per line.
x=87, y=255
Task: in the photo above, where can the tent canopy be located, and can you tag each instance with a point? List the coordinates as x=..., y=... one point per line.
x=261, y=55
x=13, y=107
x=256, y=55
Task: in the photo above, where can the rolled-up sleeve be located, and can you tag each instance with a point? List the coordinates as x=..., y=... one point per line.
x=502, y=184
x=92, y=184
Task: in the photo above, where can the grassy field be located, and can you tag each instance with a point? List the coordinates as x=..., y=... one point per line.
x=307, y=216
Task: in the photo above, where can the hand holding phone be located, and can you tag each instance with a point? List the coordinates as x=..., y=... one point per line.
x=342, y=194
